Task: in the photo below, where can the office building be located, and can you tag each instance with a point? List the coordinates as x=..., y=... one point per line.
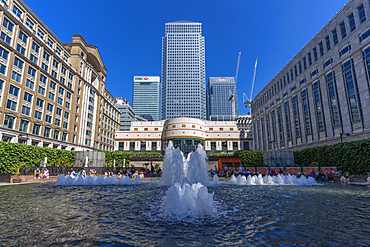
x=322, y=95
x=187, y=133
x=52, y=94
x=145, y=97
x=183, y=71
x=127, y=114
x=219, y=107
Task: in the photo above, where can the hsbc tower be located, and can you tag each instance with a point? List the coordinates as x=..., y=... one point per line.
x=145, y=97
x=183, y=71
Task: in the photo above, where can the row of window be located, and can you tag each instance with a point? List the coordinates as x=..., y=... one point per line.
x=313, y=56
x=334, y=112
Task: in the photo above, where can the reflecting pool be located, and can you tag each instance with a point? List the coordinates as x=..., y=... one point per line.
x=132, y=215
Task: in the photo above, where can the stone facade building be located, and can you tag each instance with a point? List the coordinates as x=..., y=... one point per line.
x=52, y=94
x=322, y=95
x=186, y=133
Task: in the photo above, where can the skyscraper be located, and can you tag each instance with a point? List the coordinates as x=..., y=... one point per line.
x=219, y=90
x=183, y=71
x=145, y=97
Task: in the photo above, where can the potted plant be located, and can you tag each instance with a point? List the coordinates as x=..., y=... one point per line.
x=17, y=168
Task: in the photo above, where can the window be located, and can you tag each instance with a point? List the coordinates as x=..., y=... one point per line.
x=302, y=81
x=16, y=77
x=287, y=123
x=63, y=71
x=61, y=90
x=361, y=13
x=343, y=29
x=48, y=119
x=314, y=72
x=17, y=12
x=41, y=91
x=68, y=105
x=328, y=62
x=26, y=110
x=8, y=122
x=51, y=96
x=30, y=84
x=280, y=124
x=6, y=38
x=52, y=85
x=56, y=134
x=46, y=56
x=40, y=34
x=18, y=63
x=38, y=115
x=23, y=126
x=352, y=95
x=54, y=74
x=11, y=105
x=68, y=95
x=321, y=47
x=28, y=97
x=8, y=25
x=36, y=129
x=309, y=59
x=49, y=107
x=333, y=102
x=297, y=124
x=31, y=72
x=58, y=51
x=4, y=54
x=352, y=24
x=39, y=102
x=300, y=67
x=319, y=110
x=14, y=90
x=47, y=132
x=295, y=72
x=30, y=24
x=58, y=111
x=66, y=115
x=55, y=63
x=1, y=84
x=64, y=136
x=60, y=101
x=50, y=43
x=315, y=54
x=304, y=63
x=45, y=67
x=306, y=115
x=65, y=125
x=34, y=59
x=235, y=146
x=365, y=35
x=23, y=37
x=335, y=36
x=327, y=40
x=35, y=47
x=292, y=88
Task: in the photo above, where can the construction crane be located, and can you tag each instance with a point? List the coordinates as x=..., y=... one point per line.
x=247, y=101
x=231, y=94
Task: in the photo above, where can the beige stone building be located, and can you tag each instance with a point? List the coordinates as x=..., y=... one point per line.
x=52, y=94
x=187, y=133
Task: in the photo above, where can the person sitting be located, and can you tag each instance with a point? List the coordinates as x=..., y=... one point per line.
x=345, y=178
x=248, y=172
x=93, y=173
x=83, y=173
x=37, y=173
x=141, y=175
x=106, y=174
x=119, y=176
x=46, y=174
x=271, y=173
x=313, y=174
x=331, y=176
x=73, y=173
x=281, y=171
x=159, y=171
x=321, y=175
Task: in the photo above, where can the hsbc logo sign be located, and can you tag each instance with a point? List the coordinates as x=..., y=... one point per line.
x=147, y=78
x=141, y=78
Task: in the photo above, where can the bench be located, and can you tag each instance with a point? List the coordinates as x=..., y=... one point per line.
x=5, y=177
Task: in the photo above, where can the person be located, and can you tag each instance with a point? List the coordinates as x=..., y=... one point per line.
x=281, y=171
x=331, y=176
x=271, y=173
x=216, y=169
x=73, y=173
x=240, y=169
x=119, y=176
x=321, y=175
x=151, y=169
x=159, y=171
x=345, y=178
x=37, y=173
x=141, y=175
x=248, y=172
x=46, y=174
x=313, y=174
x=106, y=174
x=93, y=173
x=83, y=173
x=154, y=173
x=111, y=174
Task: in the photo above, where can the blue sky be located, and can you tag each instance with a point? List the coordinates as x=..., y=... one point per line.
x=129, y=34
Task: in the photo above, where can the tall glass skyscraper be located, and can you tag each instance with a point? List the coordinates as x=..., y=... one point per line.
x=218, y=93
x=145, y=97
x=183, y=71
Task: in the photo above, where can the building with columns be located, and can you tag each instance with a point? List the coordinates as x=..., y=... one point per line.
x=186, y=133
x=52, y=94
x=322, y=96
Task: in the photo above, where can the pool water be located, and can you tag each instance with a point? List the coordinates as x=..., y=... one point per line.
x=131, y=215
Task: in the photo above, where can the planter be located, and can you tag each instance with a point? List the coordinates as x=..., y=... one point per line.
x=5, y=177
x=17, y=180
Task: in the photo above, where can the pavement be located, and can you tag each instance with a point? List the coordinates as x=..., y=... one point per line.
x=30, y=180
